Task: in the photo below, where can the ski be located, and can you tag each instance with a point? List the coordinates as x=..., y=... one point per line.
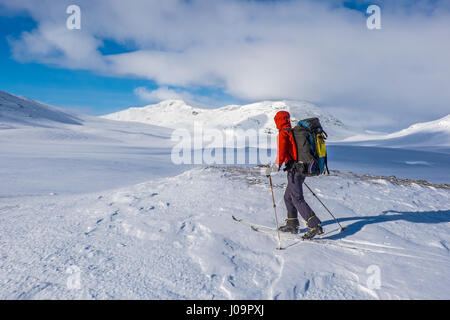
x=266, y=231
x=259, y=226
x=250, y=224
x=320, y=241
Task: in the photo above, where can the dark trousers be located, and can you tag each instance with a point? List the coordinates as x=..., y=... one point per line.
x=295, y=202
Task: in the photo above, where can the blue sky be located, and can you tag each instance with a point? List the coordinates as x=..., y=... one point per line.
x=212, y=53
x=79, y=90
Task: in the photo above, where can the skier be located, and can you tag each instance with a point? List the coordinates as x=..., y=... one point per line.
x=293, y=196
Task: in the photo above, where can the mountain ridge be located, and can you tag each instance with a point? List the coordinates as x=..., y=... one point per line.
x=17, y=111
x=430, y=133
x=257, y=116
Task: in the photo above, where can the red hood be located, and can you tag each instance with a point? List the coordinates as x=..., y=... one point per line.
x=283, y=120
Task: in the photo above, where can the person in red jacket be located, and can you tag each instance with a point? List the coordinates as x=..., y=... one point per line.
x=293, y=196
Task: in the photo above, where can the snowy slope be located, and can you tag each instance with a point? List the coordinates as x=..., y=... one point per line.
x=173, y=238
x=258, y=116
x=419, y=164
x=427, y=134
x=46, y=150
x=18, y=111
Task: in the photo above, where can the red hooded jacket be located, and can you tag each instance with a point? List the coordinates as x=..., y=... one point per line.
x=287, y=149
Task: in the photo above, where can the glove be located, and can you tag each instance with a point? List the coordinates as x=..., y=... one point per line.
x=271, y=169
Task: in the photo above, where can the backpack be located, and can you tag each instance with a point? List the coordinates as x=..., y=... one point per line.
x=311, y=150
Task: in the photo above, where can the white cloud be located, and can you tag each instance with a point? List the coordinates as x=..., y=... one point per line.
x=52, y=44
x=160, y=94
x=165, y=93
x=313, y=50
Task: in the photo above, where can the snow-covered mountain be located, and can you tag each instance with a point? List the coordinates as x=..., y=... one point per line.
x=258, y=116
x=426, y=134
x=18, y=111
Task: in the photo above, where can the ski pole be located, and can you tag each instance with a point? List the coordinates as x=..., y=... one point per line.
x=342, y=228
x=275, y=212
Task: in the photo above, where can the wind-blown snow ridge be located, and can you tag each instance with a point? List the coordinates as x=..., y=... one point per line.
x=258, y=116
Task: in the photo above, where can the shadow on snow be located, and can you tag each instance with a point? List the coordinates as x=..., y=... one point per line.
x=426, y=217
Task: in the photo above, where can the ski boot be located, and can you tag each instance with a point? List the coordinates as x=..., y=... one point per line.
x=312, y=232
x=291, y=226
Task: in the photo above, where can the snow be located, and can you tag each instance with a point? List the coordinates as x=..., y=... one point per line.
x=18, y=111
x=94, y=209
x=402, y=163
x=171, y=238
x=258, y=116
x=420, y=135
x=418, y=152
x=47, y=153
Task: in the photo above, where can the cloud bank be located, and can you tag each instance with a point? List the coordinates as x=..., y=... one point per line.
x=319, y=51
x=161, y=94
